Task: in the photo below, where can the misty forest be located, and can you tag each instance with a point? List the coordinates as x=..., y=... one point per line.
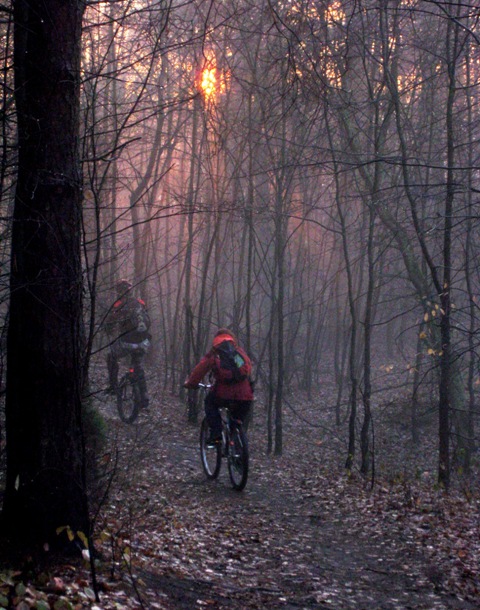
x=306, y=174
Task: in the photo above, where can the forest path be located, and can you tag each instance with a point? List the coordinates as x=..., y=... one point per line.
x=294, y=538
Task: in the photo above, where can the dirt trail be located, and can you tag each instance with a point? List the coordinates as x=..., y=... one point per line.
x=289, y=540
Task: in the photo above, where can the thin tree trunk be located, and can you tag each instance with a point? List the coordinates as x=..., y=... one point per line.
x=367, y=384
x=188, y=331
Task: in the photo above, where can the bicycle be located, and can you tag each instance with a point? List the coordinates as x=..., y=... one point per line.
x=132, y=388
x=233, y=446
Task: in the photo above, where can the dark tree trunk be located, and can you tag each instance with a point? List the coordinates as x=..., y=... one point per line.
x=45, y=467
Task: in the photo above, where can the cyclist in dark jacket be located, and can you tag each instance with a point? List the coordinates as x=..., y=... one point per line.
x=228, y=385
x=127, y=325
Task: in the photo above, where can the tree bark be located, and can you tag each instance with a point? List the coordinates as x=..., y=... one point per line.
x=45, y=486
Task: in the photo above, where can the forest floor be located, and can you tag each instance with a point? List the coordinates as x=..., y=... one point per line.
x=303, y=534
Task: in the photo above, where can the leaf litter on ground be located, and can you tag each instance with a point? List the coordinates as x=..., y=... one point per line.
x=304, y=533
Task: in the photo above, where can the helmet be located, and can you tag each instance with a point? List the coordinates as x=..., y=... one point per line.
x=123, y=286
x=223, y=335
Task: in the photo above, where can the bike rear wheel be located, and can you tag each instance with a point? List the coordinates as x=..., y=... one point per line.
x=238, y=458
x=211, y=456
x=129, y=399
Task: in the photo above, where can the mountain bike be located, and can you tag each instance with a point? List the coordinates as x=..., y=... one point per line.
x=132, y=388
x=233, y=446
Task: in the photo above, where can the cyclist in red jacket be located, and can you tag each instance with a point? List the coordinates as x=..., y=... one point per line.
x=231, y=368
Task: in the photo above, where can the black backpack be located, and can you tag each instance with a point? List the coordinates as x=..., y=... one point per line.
x=231, y=363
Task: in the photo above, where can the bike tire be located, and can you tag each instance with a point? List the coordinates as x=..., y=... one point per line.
x=238, y=458
x=128, y=400
x=211, y=456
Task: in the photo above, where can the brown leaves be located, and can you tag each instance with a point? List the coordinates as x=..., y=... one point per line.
x=302, y=533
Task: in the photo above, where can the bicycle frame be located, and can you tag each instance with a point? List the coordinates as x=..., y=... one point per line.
x=233, y=447
x=227, y=423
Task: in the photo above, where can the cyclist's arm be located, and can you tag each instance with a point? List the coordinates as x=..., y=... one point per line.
x=110, y=324
x=199, y=372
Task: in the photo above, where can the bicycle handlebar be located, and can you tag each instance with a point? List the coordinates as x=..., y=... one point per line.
x=207, y=386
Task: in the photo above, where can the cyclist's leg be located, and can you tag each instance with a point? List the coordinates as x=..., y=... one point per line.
x=213, y=416
x=113, y=356
x=241, y=410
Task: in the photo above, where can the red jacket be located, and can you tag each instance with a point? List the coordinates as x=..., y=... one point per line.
x=242, y=390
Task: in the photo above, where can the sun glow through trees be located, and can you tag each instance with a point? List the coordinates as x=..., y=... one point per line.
x=211, y=81
x=208, y=83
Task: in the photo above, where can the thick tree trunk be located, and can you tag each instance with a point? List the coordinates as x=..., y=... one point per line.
x=45, y=466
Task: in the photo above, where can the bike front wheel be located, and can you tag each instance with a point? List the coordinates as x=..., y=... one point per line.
x=238, y=458
x=211, y=455
x=128, y=400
